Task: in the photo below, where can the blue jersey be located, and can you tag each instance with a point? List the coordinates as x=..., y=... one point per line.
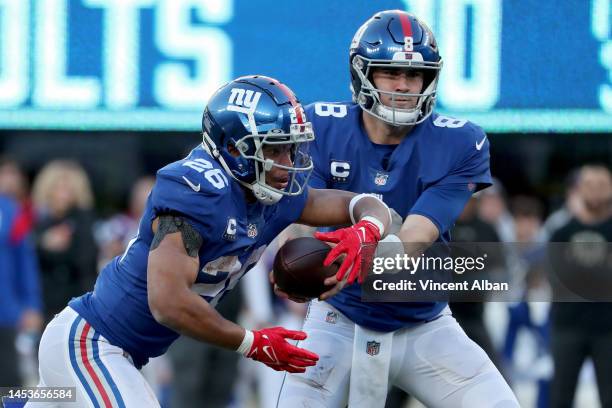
x=234, y=234
x=432, y=172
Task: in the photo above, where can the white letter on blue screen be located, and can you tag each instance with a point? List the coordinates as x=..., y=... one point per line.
x=54, y=89
x=121, y=50
x=210, y=48
x=14, y=46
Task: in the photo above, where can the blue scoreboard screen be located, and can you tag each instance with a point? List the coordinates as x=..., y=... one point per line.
x=511, y=66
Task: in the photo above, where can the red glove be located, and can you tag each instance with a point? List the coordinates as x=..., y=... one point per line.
x=270, y=347
x=358, y=242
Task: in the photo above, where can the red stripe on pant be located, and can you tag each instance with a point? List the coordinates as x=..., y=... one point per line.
x=89, y=368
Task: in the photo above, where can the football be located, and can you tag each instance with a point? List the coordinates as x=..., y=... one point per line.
x=298, y=267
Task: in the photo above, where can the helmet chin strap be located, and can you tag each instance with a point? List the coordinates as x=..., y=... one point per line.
x=262, y=192
x=395, y=117
x=265, y=195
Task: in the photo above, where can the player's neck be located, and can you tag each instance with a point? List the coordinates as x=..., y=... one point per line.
x=249, y=196
x=380, y=132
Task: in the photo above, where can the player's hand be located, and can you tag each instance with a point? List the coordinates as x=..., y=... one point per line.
x=284, y=295
x=358, y=243
x=337, y=287
x=271, y=348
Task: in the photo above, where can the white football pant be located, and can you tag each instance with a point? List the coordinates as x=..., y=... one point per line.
x=435, y=362
x=73, y=354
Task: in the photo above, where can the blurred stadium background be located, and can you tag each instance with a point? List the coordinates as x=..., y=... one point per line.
x=96, y=95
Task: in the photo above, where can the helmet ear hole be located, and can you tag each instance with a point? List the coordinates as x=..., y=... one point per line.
x=233, y=150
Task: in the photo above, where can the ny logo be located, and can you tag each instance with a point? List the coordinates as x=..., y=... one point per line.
x=245, y=98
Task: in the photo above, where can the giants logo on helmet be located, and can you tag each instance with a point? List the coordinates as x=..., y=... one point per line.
x=246, y=98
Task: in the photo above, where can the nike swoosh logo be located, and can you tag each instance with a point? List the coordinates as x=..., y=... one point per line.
x=193, y=186
x=363, y=232
x=271, y=356
x=479, y=145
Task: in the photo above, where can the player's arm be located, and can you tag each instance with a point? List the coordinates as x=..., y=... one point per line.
x=371, y=219
x=418, y=228
x=326, y=207
x=434, y=213
x=173, y=267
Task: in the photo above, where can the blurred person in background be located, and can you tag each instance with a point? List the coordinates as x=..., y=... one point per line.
x=493, y=209
x=572, y=206
x=114, y=234
x=66, y=248
x=531, y=311
x=20, y=298
x=581, y=330
x=203, y=375
x=470, y=315
x=263, y=309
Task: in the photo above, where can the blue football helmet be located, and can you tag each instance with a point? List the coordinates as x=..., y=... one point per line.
x=394, y=39
x=249, y=115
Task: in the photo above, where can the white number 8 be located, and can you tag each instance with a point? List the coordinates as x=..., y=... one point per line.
x=448, y=122
x=330, y=109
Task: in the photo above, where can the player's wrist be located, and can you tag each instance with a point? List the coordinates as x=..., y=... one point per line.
x=376, y=222
x=247, y=343
x=390, y=247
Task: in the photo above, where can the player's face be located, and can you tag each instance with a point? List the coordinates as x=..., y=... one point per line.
x=401, y=81
x=281, y=154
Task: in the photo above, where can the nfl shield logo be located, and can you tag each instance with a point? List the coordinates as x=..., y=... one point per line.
x=251, y=230
x=331, y=317
x=373, y=348
x=381, y=179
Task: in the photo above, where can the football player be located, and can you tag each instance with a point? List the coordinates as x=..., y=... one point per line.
x=207, y=221
x=426, y=166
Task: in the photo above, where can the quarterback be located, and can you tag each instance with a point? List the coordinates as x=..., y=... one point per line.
x=207, y=221
x=425, y=166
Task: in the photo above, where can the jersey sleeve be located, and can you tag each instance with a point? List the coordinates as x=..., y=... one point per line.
x=443, y=201
x=442, y=204
x=472, y=161
x=189, y=195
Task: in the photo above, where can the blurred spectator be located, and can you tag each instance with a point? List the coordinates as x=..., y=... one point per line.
x=114, y=234
x=470, y=315
x=492, y=209
x=20, y=300
x=203, y=374
x=572, y=205
x=581, y=330
x=63, y=200
x=14, y=183
x=529, y=258
x=262, y=309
